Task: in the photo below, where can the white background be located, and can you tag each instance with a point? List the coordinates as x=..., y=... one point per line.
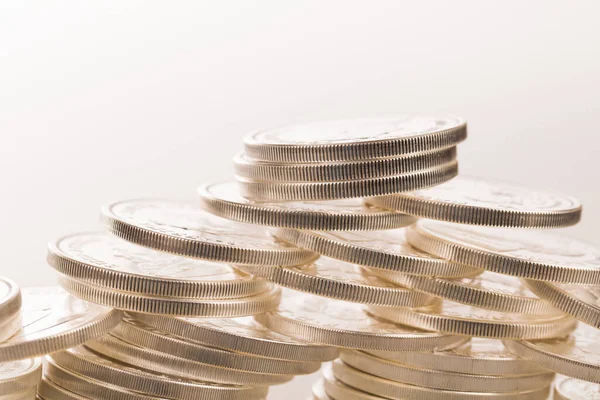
x=103, y=101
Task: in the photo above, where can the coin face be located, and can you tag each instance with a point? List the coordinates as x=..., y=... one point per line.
x=20, y=375
x=10, y=299
x=573, y=389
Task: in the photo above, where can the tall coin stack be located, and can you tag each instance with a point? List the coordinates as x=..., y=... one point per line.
x=351, y=243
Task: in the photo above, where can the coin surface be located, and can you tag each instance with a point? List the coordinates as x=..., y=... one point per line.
x=256, y=170
x=575, y=389
x=54, y=320
x=289, y=191
x=10, y=308
x=225, y=200
x=488, y=290
x=180, y=228
x=237, y=307
x=344, y=324
x=461, y=319
x=357, y=139
x=243, y=334
x=382, y=249
x=526, y=254
x=483, y=201
x=110, y=262
x=20, y=375
x=341, y=280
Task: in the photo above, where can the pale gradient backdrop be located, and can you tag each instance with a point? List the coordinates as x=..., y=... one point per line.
x=102, y=101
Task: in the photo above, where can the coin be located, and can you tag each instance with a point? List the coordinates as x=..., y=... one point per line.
x=20, y=375
x=358, y=139
x=526, y=254
x=48, y=390
x=284, y=191
x=488, y=290
x=104, y=260
x=93, y=366
x=483, y=201
x=444, y=380
x=242, y=334
x=577, y=355
x=246, y=167
x=385, y=249
x=27, y=394
x=10, y=299
x=575, y=389
x=338, y=390
x=479, y=356
x=10, y=326
x=340, y=280
x=180, y=228
x=225, y=200
x=172, y=306
x=344, y=324
x=461, y=319
x=54, y=320
x=318, y=391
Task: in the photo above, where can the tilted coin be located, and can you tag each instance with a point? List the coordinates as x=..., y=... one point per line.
x=93, y=366
x=338, y=390
x=356, y=139
x=49, y=390
x=341, y=280
x=576, y=355
x=54, y=320
x=20, y=375
x=225, y=200
x=488, y=290
x=344, y=324
x=527, y=254
x=237, y=307
x=461, y=319
x=385, y=249
x=257, y=170
x=242, y=334
x=444, y=380
x=290, y=191
x=27, y=394
x=10, y=308
x=180, y=228
x=576, y=389
x=483, y=201
x=107, y=261
x=478, y=356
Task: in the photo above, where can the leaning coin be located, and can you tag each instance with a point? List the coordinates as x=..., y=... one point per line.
x=243, y=335
x=576, y=389
x=172, y=306
x=225, y=200
x=384, y=249
x=20, y=375
x=341, y=280
x=577, y=355
x=256, y=170
x=290, y=191
x=179, y=228
x=54, y=320
x=104, y=260
x=356, y=139
x=344, y=324
x=489, y=290
x=49, y=390
x=461, y=319
x=483, y=201
x=526, y=254
x=10, y=307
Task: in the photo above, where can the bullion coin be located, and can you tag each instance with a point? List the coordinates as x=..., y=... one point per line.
x=576, y=389
x=20, y=375
x=10, y=308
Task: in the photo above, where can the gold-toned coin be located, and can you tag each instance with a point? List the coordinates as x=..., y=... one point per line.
x=400, y=391
x=526, y=254
x=243, y=335
x=54, y=320
x=107, y=261
x=344, y=324
x=90, y=364
x=296, y=191
x=479, y=356
x=20, y=375
x=488, y=290
x=483, y=201
x=461, y=319
x=180, y=228
x=356, y=139
x=49, y=390
x=28, y=394
x=576, y=355
x=341, y=280
x=386, y=249
x=225, y=200
x=172, y=306
x=158, y=361
x=338, y=390
x=10, y=326
x=444, y=380
x=256, y=170
x=10, y=308
x=576, y=389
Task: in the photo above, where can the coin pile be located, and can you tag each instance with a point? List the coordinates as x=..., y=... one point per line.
x=351, y=243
